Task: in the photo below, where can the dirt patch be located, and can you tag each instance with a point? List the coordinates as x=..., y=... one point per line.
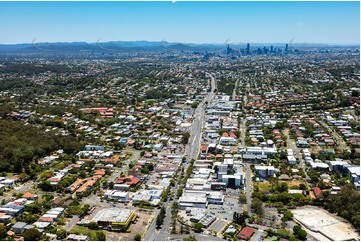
x=294, y=183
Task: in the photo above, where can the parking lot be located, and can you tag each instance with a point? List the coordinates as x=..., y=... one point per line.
x=139, y=227
x=226, y=210
x=258, y=235
x=217, y=225
x=220, y=211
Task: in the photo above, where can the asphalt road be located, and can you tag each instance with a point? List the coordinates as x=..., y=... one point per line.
x=191, y=152
x=243, y=132
x=257, y=234
x=196, y=129
x=336, y=137
x=71, y=223
x=248, y=187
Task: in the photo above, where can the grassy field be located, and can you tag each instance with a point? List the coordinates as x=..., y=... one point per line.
x=83, y=231
x=265, y=185
x=294, y=183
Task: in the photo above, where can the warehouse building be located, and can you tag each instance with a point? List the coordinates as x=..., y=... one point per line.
x=115, y=219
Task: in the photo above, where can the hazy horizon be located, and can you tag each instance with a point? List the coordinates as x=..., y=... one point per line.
x=181, y=22
x=187, y=43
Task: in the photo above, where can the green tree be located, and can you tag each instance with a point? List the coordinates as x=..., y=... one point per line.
x=159, y=221
x=287, y=215
x=138, y=237
x=296, y=228
x=355, y=93
x=302, y=186
x=93, y=226
x=282, y=187
x=302, y=234
x=61, y=234
x=239, y=218
x=257, y=206
x=100, y=235
x=3, y=232
x=283, y=233
x=46, y=186
x=198, y=227
x=190, y=238
x=31, y=234
x=185, y=137
x=24, y=177
x=243, y=198
x=194, y=105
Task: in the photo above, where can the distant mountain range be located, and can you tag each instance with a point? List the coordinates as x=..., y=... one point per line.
x=106, y=46
x=114, y=46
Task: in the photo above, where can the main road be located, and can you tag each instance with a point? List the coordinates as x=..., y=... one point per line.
x=196, y=129
x=191, y=152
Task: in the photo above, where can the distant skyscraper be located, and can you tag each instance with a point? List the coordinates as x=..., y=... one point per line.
x=248, y=49
x=265, y=50
x=286, y=50
x=228, y=51
x=271, y=48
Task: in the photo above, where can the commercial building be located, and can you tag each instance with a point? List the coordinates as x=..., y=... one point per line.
x=116, y=219
x=207, y=220
x=122, y=197
x=265, y=171
x=189, y=199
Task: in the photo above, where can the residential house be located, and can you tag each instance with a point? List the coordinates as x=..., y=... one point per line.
x=245, y=233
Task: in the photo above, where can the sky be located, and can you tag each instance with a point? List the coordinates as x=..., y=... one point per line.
x=185, y=22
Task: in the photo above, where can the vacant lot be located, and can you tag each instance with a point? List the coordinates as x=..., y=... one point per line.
x=265, y=185
x=320, y=221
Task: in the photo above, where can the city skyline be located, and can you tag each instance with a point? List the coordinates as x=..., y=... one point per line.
x=181, y=22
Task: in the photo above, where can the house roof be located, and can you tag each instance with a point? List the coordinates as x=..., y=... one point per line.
x=29, y=195
x=317, y=191
x=245, y=233
x=57, y=200
x=100, y=172
x=68, y=203
x=46, y=219
x=130, y=180
x=19, y=225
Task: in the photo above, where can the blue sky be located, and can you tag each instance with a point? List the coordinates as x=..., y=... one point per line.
x=190, y=22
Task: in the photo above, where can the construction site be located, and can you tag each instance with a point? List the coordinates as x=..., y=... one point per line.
x=325, y=226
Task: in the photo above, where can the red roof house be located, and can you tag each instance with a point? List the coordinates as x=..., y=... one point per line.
x=245, y=233
x=317, y=191
x=130, y=180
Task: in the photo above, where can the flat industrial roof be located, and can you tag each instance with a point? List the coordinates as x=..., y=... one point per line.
x=113, y=215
